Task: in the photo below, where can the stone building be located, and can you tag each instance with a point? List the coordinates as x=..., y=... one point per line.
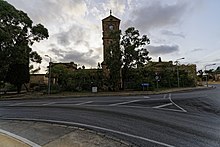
x=109, y=24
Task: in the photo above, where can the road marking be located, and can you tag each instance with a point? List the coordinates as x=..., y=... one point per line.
x=83, y=103
x=164, y=96
x=176, y=104
x=24, y=140
x=164, y=105
x=115, y=104
x=94, y=127
x=175, y=110
x=121, y=106
x=51, y=103
x=25, y=103
x=146, y=97
x=16, y=104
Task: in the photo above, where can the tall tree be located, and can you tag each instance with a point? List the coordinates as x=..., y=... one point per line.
x=134, y=53
x=17, y=35
x=114, y=62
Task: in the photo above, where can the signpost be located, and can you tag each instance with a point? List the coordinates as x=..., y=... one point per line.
x=157, y=78
x=145, y=85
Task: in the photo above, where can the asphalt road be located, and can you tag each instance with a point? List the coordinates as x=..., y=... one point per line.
x=173, y=119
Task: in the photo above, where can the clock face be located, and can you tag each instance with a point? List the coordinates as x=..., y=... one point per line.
x=111, y=27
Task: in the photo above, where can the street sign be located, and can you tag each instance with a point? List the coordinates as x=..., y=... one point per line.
x=145, y=84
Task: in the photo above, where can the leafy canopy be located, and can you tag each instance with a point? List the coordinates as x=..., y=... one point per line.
x=17, y=35
x=133, y=47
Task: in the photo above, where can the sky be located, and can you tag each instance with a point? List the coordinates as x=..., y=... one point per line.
x=177, y=29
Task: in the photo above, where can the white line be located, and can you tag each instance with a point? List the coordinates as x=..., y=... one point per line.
x=95, y=127
x=16, y=104
x=164, y=105
x=124, y=103
x=83, y=103
x=51, y=103
x=146, y=97
x=175, y=110
x=24, y=140
x=176, y=104
x=164, y=96
x=25, y=103
x=120, y=106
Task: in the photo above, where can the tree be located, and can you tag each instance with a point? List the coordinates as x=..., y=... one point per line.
x=17, y=35
x=134, y=53
x=114, y=61
x=17, y=75
x=210, y=74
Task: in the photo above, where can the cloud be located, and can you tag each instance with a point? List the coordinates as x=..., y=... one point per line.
x=52, y=11
x=75, y=25
x=170, y=33
x=216, y=60
x=75, y=35
x=163, y=49
x=197, y=50
x=115, y=5
x=84, y=58
x=57, y=52
x=156, y=14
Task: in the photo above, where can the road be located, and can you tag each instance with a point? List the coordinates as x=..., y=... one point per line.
x=183, y=119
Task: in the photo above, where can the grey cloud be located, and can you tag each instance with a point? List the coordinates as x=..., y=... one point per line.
x=156, y=14
x=163, y=49
x=84, y=58
x=57, y=52
x=216, y=60
x=170, y=33
x=75, y=35
x=63, y=38
x=51, y=11
x=197, y=50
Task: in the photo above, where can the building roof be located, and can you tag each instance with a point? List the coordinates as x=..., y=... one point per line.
x=111, y=18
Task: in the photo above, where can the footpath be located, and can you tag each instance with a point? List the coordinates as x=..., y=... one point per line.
x=14, y=133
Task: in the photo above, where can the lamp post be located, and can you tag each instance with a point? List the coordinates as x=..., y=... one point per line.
x=177, y=71
x=206, y=79
x=49, y=78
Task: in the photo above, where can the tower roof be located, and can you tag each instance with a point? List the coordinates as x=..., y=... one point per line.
x=111, y=18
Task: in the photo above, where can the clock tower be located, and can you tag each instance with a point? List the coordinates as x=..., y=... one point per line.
x=109, y=24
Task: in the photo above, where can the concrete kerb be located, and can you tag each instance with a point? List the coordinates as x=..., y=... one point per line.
x=102, y=94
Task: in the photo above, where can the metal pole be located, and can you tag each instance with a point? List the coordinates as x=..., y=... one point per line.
x=177, y=71
x=207, y=74
x=178, y=78
x=206, y=77
x=157, y=84
x=49, y=77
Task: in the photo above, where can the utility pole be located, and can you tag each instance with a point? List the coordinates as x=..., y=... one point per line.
x=177, y=71
x=206, y=77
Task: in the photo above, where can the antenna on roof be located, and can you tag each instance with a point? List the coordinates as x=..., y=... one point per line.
x=110, y=12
